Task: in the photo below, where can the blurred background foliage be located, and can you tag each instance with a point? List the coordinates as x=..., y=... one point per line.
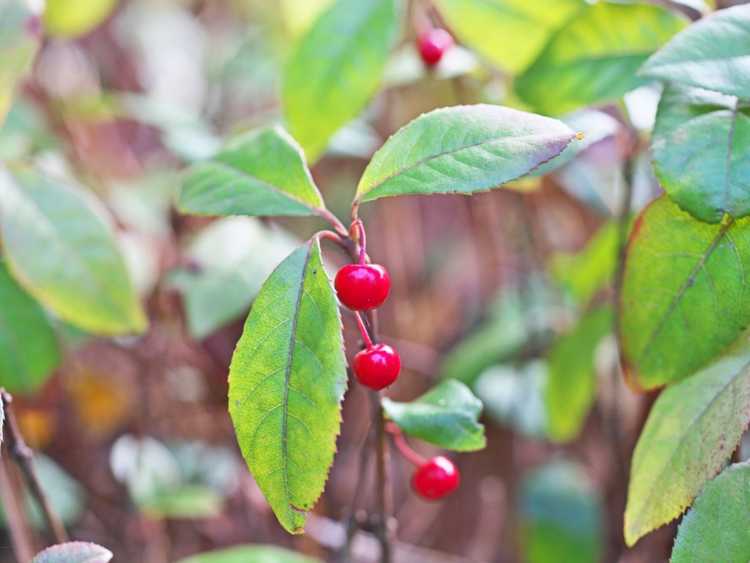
x=507, y=291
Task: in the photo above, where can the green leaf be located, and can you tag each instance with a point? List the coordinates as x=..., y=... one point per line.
x=717, y=528
x=229, y=260
x=286, y=382
x=250, y=554
x=336, y=68
x=561, y=516
x=262, y=172
x=691, y=432
x=585, y=273
x=74, y=552
x=73, y=18
x=186, y=501
x=446, y=416
x=585, y=62
x=713, y=53
x=17, y=49
x=509, y=33
x=571, y=381
x=61, y=247
x=28, y=346
x=462, y=149
x=685, y=297
x=701, y=150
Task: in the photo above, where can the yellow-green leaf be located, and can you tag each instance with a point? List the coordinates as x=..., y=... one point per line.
x=73, y=18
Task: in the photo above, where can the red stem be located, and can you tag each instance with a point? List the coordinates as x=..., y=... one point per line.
x=363, y=330
x=362, y=242
x=403, y=446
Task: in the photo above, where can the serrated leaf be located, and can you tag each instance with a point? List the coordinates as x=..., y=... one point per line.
x=685, y=293
x=462, y=149
x=446, y=416
x=61, y=247
x=336, y=68
x=74, y=552
x=561, y=516
x=262, y=172
x=571, y=380
x=229, y=261
x=691, y=432
x=286, y=382
x=713, y=53
x=701, y=151
x=509, y=33
x=585, y=62
x=717, y=528
x=28, y=346
x=250, y=554
x=18, y=46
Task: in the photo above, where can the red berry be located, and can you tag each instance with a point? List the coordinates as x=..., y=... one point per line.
x=362, y=286
x=433, y=44
x=436, y=478
x=377, y=366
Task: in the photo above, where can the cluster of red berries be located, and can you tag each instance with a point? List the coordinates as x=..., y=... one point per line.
x=433, y=44
x=363, y=287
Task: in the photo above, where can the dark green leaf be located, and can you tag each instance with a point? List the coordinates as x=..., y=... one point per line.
x=561, y=516
x=701, y=149
x=571, y=381
x=692, y=430
x=713, y=53
x=336, y=68
x=509, y=33
x=286, y=382
x=74, y=552
x=28, y=347
x=462, y=149
x=250, y=554
x=262, y=172
x=61, y=247
x=717, y=528
x=446, y=416
x=685, y=297
x=594, y=57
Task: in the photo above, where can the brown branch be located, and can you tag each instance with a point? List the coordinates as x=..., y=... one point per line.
x=21, y=536
x=23, y=457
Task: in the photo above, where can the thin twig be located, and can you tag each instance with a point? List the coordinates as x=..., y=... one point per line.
x=352, y=523
x=23, y=456
x=18, y=527
x=381, y=474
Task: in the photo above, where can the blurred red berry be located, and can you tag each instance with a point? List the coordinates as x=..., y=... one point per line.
x=361, y=287
x=436, y=478
x=433, y=44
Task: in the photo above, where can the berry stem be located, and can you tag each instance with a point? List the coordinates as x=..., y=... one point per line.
x=363, y=330
x=403, y=446
x=362, y=241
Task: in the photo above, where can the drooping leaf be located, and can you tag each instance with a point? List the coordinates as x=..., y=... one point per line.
x=286, y=381
x=336, y=68
x=713, y=53
x=74, y=552
x=18, y=46
x=585, y=273
x=262, y=172
x=585, y=62
x=462, y=149
x=446, y=416
x=701, y=147
x=571, y=380
x=28, y=347
x=717, y=528
x=250, y=554
x=509, y=33
x=61, y=247
x=692, y=430
x=73, y=18
x=685, y=293
x=561, y=516
x=229, y=261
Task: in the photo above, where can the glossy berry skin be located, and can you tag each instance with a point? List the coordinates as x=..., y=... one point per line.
x=436, y=478
x=433, y=44
x=361, y=287
x=377, y=366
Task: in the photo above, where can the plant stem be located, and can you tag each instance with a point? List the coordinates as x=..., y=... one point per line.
x=381, y=473
x=18, y=527
x=23, y=456
x=334, y=221
x=363, y=330
x=403, y=446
